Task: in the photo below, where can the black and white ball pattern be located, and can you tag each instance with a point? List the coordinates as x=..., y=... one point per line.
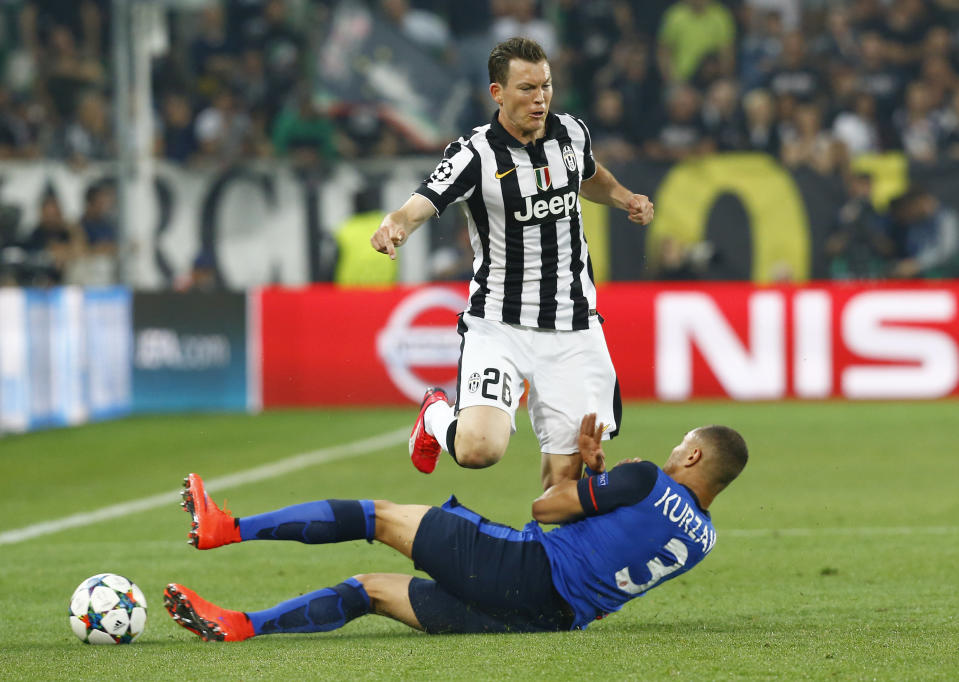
x=443, y=172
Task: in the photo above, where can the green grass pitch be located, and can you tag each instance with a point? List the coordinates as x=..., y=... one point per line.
x=837, y=553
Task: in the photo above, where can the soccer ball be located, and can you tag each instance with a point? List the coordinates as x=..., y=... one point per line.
x=108, y=609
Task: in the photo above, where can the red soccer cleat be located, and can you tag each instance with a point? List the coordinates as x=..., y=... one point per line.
x=207, y=620
x=212, y=526
x=424, y=448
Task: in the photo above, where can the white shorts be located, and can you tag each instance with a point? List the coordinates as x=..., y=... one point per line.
x=570, y=374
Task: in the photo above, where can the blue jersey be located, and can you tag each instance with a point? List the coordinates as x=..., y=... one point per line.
x=645, y=528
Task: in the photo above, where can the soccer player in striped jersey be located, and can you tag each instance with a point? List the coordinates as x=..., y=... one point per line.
x=531, y=313
x=625, y=531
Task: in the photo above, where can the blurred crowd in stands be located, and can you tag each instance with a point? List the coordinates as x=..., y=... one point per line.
x=812, y=82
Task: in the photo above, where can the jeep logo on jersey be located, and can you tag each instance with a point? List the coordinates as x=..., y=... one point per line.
x=546, y=208
x=542, y=178
x=569, y=157
x=417, y=351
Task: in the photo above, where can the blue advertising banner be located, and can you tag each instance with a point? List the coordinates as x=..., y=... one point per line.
x=65, y=356
x=190, y=352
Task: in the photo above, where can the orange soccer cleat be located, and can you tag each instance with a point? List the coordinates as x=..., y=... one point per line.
x=207, y=620
x=424, y=448
x=212, y=526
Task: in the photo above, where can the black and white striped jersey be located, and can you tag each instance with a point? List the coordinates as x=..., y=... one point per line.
x=530, y=264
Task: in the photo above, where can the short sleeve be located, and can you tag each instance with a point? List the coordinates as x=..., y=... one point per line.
x=622, y=486
x=589, y=163
x=454, y=178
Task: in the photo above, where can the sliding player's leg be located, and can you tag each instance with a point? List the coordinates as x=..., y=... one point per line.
x=323, y=610
x=316, y=522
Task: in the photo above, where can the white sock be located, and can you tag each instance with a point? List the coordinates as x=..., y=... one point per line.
x=437, y=421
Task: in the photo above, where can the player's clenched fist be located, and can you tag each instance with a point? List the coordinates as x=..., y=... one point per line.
x=388, y=237
x=640, y=209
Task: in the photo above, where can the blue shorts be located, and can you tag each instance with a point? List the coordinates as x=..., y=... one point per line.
x=486, y=577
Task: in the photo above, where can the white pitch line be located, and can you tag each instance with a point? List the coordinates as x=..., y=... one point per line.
x=837, y=530
x=260, y=473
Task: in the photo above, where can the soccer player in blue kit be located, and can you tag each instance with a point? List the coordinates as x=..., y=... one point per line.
x=624, y=532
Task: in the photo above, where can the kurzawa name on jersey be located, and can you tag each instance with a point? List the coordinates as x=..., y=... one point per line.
x=683, y=517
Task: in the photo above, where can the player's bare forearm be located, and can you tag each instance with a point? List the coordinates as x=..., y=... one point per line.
x=558, y=504
x=604, y=188
x=400, y=224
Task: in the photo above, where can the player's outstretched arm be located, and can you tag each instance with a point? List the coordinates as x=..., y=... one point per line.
x=561, y=502
x=400, y=224
x=604, y=188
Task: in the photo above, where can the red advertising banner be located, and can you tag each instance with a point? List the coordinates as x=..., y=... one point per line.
x=328, y=346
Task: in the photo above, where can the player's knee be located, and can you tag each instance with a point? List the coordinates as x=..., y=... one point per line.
x=369, y=582
x=476, y=448
x=382, y=506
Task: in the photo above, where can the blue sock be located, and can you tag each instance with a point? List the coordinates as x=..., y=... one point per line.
x=320, y=611
x=313, y=522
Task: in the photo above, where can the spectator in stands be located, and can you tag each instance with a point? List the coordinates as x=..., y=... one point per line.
x=867, y=15
x=83, y=19
x=98, y=264
x=250, y=83
x=858, y=246
x=284, y=51
x=939, y=78
x=89, y=135
x=365, y=134
x=52, y=247
x=609, y=129
x=426, y=29
x=877, y=76
x=453, y=260
x=722, y=116
x=683, y=134
x=927, y=236
x=629, y=72
x=690, y=31
x=762, y=131
x=68, y=73
x=302, y=131
x=811, y=146
x=858, y=128
x=939, y=43
x=15, y=137
x=597, y=38
x=520, y=18
x=795, y=74
x=949, y=120
x=176, y=138
x=213, y=55
x=760, y=47
x=203, y=276
x=906, y=24
x=99, y=220
x=838, y=43
x=916, y=124
x=222, y=130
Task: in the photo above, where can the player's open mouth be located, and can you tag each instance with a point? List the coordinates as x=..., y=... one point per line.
x=537, y=114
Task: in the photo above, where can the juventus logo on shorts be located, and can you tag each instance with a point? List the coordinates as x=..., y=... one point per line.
x=473, y=385
x=569, y=157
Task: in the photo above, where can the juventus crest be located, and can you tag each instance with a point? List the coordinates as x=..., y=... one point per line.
x=569, y=157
